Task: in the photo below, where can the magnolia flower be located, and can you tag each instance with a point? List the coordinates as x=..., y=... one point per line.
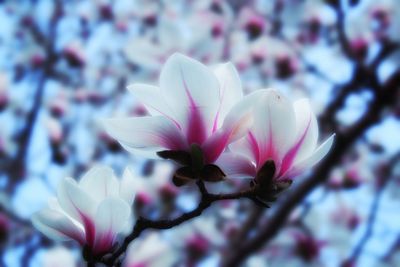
x=152, y=251
x=92, y=212
x=283, y=132
x=194, y=106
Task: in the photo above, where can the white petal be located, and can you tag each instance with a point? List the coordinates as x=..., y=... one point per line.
x=193, y=91
x=145, y=132
x=127, y=189
x=215, y=145
x=307, y=128
x=244, y=147
x=318, y=154
x=236, y=166
x=151, y=97
x=74, y=201
x=274, y=126
x=111, y=217
x=230, y=90
x=56, y=225
x=241, y=116
x=306, y=136
x=100, y=182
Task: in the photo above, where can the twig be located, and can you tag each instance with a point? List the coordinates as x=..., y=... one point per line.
x=142, y=223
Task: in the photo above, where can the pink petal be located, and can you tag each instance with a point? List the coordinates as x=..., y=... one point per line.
x=236, y=166
x=192, y=90
x=57, y=226
x=146, y=132
x=111, y=217
x=77, y=204
x=152, y=98
x=313, y=159
x=274, y=126
x=230, y=91
x=307, y=135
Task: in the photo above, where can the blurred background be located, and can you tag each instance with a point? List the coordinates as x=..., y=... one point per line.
x=65, y=64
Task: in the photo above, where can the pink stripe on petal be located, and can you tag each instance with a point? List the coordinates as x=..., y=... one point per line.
x=291, y=155
x=254, y=146
x=215, y=145
x=196, y=128
x=90, y=230
x=106, y=242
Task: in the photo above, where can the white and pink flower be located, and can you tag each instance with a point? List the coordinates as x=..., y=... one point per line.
x=284, y=132
x=194, y=104
x=92, y=211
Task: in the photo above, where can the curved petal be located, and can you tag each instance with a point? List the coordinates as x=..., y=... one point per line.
x=230, y=91
x=193, y=91
x=307, y=135
x=318, y=154
x=100, y=182
x=246, y=146
x=145, y=132
x=236, y=166
x=78, y=204
x=241, y=116
x=274, y=126
x=127, y=190
x=56, y=225
x=307, y=128
x=111, y=217
x=151, y=97
x=215, y=145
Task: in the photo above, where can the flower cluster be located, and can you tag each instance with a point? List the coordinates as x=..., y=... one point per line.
x=199, y=118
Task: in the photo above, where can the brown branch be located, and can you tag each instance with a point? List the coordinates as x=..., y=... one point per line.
x=142, y=223
x=16, y=167
x=385, y=177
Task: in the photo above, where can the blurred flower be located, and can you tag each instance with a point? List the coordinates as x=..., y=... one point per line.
x=5, y=226
x=153, y=251
x=252, y=23
x=4, y=97
x=92, y=212
x=283, y=132
x=58, y=257
x=194, y=106
x=74, y=55
x=307, y=247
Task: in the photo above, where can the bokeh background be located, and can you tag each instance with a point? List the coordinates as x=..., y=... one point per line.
x=65, y=64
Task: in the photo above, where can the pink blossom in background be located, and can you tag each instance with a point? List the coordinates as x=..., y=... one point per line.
x=92, y=212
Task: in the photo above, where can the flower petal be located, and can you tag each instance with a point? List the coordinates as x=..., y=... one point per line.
x=274, y=126
x=230, y=91
x=74, y=200
x=56, y=225
x=145, y=132
x=239, y=119
x=78, y=204
x=151, y=97
x=307, y=128
x=193, y=91
x=100, y=182
x=236, y=166
x=307, y=135
x=318, y=154
x=111, y=217
x=127, y=190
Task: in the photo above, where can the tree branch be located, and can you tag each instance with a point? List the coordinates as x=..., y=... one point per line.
x=142, y=223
